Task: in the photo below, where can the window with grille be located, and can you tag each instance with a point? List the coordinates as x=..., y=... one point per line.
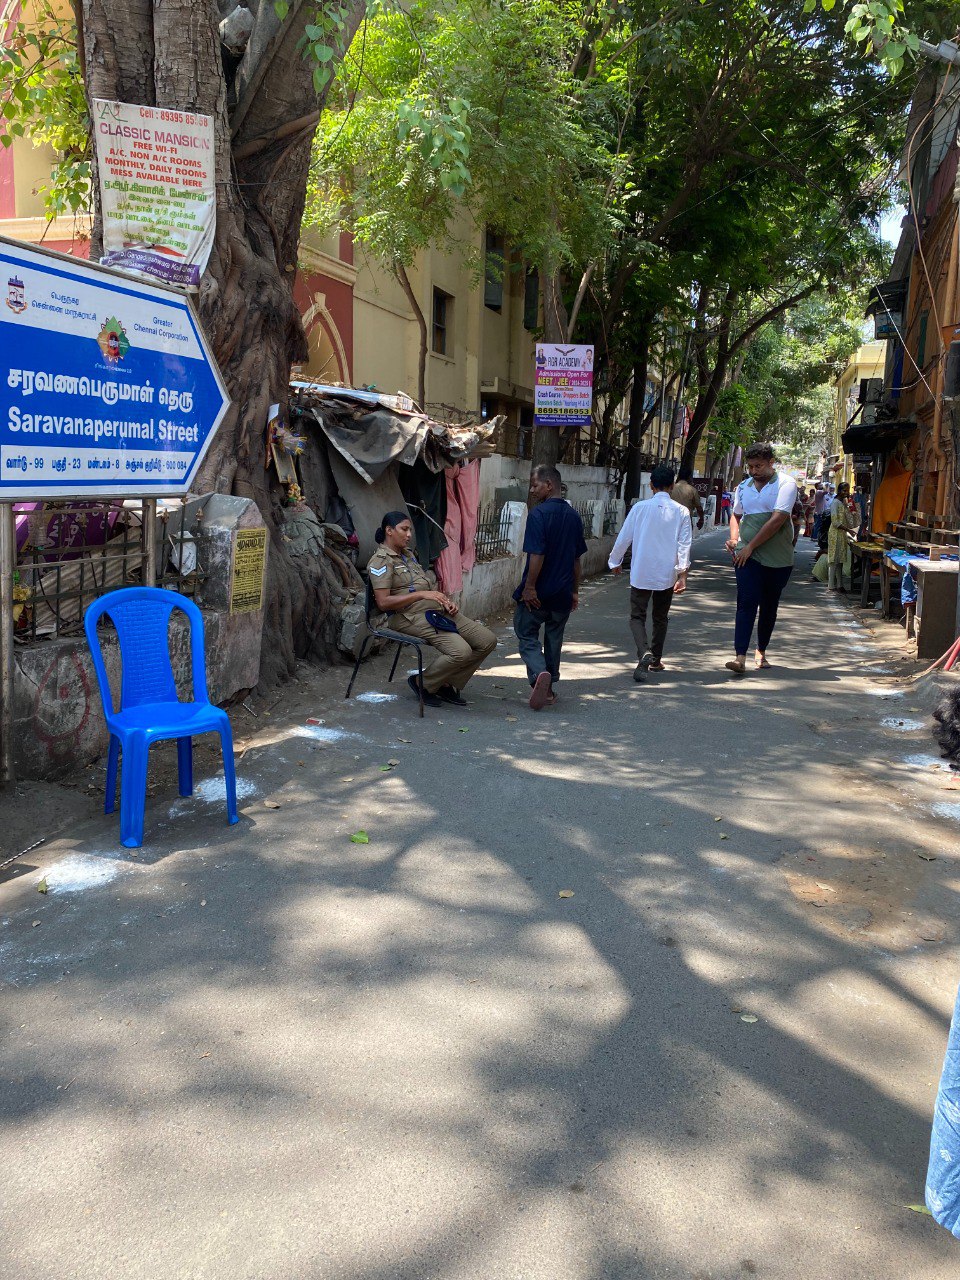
x=442, y=316
x=493, y=272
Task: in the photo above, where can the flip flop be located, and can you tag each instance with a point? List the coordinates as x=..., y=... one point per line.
x=540, y=694
x=738, y=668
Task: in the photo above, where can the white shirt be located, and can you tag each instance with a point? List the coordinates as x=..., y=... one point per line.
x=659, y=532
x=778, y=494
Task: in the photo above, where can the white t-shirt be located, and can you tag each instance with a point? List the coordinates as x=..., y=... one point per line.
x=658, y=531
x=778, y=494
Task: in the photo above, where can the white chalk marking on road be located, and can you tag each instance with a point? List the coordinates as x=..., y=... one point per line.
x=922, y=761
x=902, y=725
x=944, y=809
x=79, y=871
x=376, y=697
x=213, y=791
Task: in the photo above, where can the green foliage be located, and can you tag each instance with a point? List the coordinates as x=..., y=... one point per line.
x=42, y=99
x=447, y=105
x=782, y=391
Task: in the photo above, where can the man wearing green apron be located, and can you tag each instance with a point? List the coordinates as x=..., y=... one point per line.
x=761, y=543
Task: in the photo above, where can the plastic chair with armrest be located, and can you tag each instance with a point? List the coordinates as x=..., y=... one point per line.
x=149, y=709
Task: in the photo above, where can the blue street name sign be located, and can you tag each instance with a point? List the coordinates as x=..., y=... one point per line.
x=107, y=387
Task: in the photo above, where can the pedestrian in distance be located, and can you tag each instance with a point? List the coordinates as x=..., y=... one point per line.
x=687, y=496
x=821, y=500
x=761, y=544
x=726, y=505
x=843, y=520
x=416, y=608
x=659, y=534
x=549, y=589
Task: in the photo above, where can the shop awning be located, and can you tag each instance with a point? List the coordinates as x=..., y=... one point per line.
x=889, y=295
x=876, y=437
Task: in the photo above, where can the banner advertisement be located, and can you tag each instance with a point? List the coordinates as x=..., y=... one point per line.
x=157, y=190
x=564, y=385
x=107, y=387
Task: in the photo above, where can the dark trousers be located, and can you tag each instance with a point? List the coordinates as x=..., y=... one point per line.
x=817, y=522
x=528, y=623
x=639, y=602
x=758, y=595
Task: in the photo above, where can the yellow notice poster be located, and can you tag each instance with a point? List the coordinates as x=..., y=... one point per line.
x=249, y=559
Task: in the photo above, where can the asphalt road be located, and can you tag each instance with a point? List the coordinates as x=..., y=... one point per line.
x=269, y=1053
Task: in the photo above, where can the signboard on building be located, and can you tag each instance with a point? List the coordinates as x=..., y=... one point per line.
x=249, y=559
x=107, y=387
x=158, y=190
x=564, y=386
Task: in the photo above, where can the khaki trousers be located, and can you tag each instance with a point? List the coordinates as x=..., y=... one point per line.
x=461, y=651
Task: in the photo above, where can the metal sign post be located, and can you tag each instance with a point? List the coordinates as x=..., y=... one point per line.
x=8, y=556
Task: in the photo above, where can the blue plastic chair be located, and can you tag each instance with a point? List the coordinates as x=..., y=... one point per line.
x=149, y=708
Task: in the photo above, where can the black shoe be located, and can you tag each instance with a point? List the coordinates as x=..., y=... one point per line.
x=447, y=693
x=429, y=699
x=640, y=673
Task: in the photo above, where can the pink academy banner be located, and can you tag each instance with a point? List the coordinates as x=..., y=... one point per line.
x=564, y=385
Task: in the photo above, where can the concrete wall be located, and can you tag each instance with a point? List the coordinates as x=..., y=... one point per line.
x=488, y=588
x=499, y=473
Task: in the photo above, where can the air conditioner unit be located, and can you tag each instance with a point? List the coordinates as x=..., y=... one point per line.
x=871, y=390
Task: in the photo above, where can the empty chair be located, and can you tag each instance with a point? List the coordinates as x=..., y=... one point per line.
x=149, y=709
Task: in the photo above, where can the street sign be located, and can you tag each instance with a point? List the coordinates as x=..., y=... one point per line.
x=107, y=386
x=563, y=395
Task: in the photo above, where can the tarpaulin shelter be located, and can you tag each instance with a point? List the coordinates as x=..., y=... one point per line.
x=384, y=457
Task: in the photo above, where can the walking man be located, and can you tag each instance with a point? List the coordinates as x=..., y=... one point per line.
x=761, y=543
x=549, y=589
x=687, y=496
x=659, y=533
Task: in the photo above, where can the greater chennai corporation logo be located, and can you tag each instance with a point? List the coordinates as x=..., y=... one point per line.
x=16, y=294
x=113, y=341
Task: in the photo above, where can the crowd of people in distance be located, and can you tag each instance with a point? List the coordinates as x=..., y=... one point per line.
x=827, y=514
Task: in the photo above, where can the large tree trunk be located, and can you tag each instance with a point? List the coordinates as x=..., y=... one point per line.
x=167, y=53
x=546, y=440
x=636, y=421
x=424, y=335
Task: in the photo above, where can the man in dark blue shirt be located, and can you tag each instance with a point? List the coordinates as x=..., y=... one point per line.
x=548, y=590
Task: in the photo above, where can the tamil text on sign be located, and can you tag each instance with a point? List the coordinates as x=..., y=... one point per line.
x=249, y=559
x=564, y=386
x=158, y=190
x=106, y=384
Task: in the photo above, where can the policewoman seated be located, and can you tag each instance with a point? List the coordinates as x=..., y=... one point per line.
x=404, y=592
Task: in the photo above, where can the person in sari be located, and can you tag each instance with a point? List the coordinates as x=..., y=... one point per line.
x=842, y=521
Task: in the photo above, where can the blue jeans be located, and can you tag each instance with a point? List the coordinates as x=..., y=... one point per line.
x=758, y=593
x=528, y=623
x=817, y=522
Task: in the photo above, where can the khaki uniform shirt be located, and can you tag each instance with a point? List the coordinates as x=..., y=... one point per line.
x=400, y=572
x=687, y=496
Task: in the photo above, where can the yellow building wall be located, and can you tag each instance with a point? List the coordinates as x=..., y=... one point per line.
x=867, y=361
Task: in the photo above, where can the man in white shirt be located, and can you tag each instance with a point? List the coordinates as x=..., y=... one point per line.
x=659, y=533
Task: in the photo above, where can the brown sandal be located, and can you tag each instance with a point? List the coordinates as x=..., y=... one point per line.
x=738, y=667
